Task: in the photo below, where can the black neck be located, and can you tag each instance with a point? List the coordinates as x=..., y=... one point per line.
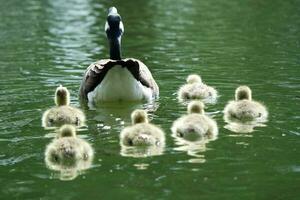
x=115, y=49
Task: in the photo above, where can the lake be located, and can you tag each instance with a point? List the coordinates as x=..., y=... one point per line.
x=229, y=43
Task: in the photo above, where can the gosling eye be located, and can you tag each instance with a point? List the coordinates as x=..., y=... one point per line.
x=179, y=134
x=77, y=121
x=157, y=143
x=259, y=114
x=55, y=157
x=85, y=156
x=130, y=143
x=51, y=121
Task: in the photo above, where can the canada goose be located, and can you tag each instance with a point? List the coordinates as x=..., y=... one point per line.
x=117, y=79
x=141, y=132
x=195, y=125
x=62, y=113
x=244, y=109
x=195, y=89
x=67, y=152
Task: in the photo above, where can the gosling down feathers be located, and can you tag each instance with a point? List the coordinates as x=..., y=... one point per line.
x=195, y=89
x=68, y=151
x=244, y=109
x=62, y=113
x=141, y=132
x=195, y=125
x=117, y=79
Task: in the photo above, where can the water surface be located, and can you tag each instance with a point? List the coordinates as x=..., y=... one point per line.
x=47, y=43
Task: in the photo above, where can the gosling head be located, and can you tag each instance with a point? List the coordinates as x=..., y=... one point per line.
x=196, y=107
x=62, y=96
x=139, y=116
x=67, y=131
x=243, y=92
x=193, y=78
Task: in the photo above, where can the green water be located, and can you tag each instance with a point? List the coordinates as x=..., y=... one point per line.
x=257, y=43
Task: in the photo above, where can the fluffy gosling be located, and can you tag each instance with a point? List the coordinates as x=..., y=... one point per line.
x=141, y=132
x=244, y=109
x=195, y=89
x=62, y=113
x=67, y=151
x=195, y=125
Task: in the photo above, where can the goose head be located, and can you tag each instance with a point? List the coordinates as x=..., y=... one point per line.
x=114, y=30
x=243, y=93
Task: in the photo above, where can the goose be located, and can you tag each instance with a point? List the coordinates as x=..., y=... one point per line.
x=243, y=109
x=67, y=152
x=195, y=125
x=195, y=89
x=141, y=132
x=117, y=79
x=62, y=113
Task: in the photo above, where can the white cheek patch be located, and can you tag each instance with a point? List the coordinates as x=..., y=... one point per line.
x=106, y=28
x=121, y=26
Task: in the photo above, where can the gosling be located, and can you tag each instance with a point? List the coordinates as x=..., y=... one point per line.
x=243, y=109
x=195, y=125
x=141, y=132
x=67, y=151
x=62, y=113
x=196, y=89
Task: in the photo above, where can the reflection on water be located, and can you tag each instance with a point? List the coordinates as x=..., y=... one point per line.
x=142, y=151
x=243, y=127
x=111, y=114
x=193, y=148
x=141, y=166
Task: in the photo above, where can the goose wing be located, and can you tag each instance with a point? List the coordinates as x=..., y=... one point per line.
x=142, y=74
x=93, y=76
